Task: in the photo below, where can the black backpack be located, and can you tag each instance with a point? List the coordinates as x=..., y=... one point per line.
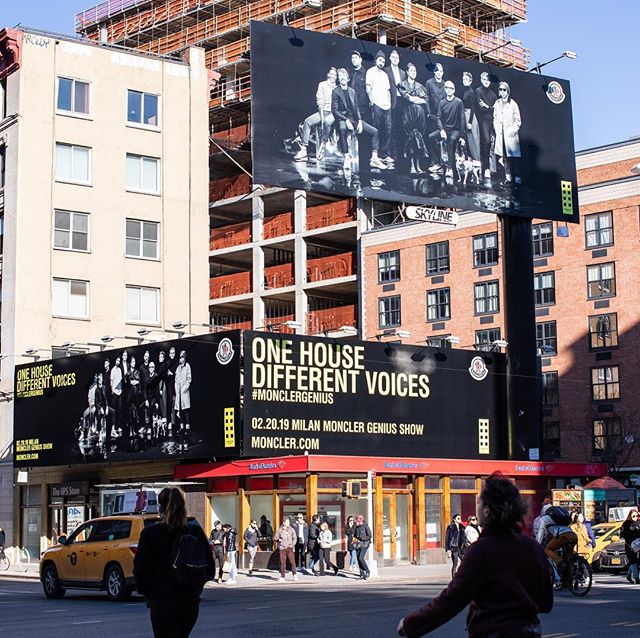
x=189, y=560
x=559, y=515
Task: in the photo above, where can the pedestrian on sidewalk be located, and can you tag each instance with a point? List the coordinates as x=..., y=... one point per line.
x=300, y=550
x=472, y=531
x=251, y=536
x=504, y=576
x=313, y=547
x=325, y=539
x=230, y=544
x=266, y=532
x=630, y=531
x=454, y=542
x=361, y=541
x=172, y=563
x=286, y=540
x=215, y=539
x=349, y=531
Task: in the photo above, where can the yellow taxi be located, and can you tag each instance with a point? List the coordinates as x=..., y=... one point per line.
x=605, y=533
x=97, y=555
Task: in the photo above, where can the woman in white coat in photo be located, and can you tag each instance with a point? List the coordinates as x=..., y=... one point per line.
x=507, y=122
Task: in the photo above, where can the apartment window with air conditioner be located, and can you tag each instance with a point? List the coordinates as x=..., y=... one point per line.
x=70, y=298
x=143, y=108
x=143, y=305
x=143, y=174
x=73, y=164
x=73, y=96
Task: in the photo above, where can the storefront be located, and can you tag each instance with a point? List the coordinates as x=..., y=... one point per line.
x=413, y=499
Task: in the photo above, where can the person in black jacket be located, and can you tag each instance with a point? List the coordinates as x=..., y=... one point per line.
x=230, y=545
x=349, y=531
x=454, y=542
x=630, y=531
x=216, y=539
x=361, y=541
x=251, y=536
x=173, y=607
x=504, y=577
x=313, y=547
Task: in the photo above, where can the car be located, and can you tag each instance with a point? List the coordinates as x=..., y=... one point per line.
x=97, y=555
x=614, y=558
x=605, y=533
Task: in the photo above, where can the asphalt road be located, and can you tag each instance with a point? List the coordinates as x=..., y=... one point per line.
x=312, y=607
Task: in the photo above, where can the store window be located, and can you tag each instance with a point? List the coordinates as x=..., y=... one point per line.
x=433, y=515
x=30, y=499
x=224, y=508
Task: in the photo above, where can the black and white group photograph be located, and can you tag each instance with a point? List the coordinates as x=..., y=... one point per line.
x=382, y=122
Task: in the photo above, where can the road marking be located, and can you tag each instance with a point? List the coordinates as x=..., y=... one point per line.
x=254, y=608
x=50, y=611
x=86, y=622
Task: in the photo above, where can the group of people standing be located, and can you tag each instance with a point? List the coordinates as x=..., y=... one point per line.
x=459, y=537
x=133, y=407
x=409, y=123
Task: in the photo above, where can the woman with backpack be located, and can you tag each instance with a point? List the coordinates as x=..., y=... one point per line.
x=630, y=532
x=172, y=563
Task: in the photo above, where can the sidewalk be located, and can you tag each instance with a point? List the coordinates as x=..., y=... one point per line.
x=432, y=574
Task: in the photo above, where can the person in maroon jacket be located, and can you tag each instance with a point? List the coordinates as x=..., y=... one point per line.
x=504, y=577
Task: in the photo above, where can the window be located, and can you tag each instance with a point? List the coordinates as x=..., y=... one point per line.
x=389, y=267
x=438, y=304
x=71, y=298
x=110, y=530
x=550, y=389
x=437, y=257
x=605, y=383
x=603, y=331
x=439, y=341
x=542, y=235
x=142, y=108
x=551, y=438
x=485, y=338
x=601, y=280
x=143, y=304
x=71, y=230
x=389, y=311
x=598, y=229
x=487, y=297
x=546, y=338
x=607, y=435
x=142, y=239
x=73, y=163
x=485, y=250
x=73, y=96
x=142, y=173
x=544, y=288
x=81, y=534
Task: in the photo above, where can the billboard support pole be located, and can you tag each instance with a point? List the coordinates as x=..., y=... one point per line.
x=523, y=399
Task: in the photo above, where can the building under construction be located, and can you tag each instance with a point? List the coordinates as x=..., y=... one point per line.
x=278, y=255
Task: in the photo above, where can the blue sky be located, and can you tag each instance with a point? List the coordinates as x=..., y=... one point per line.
x=604, y=78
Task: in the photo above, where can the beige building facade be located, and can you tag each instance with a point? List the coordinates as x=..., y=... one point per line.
x=104, y=205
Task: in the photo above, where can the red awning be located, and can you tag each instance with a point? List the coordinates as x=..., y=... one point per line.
x=605, y=483
x=384, y=465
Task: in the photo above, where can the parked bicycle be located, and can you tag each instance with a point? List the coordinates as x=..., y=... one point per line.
x=5, y=563
x=574, y=571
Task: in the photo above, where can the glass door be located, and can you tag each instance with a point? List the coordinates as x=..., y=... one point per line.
x=396, y=542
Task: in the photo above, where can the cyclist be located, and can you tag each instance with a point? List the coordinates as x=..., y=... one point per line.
x=554, y=533
x=3, y=539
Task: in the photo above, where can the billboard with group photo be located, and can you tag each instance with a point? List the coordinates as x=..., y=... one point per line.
x=364, y=398
x=173, y=399
x=356, y=118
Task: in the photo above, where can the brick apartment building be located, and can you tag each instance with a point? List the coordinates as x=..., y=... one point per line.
x=437, y=282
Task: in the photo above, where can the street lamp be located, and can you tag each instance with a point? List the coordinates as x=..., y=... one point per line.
x=512, y=41
x=293, y=325
x=452, y=340
x=570, y=55
x=109, y=338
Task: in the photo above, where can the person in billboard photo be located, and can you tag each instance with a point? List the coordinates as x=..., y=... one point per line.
x=485, y=100
x=183, y=399
x=379, y=92
x=415, y=105
x=396, y=77
x=507, y=122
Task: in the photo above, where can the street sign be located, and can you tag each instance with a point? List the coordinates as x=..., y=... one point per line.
x=437, y=215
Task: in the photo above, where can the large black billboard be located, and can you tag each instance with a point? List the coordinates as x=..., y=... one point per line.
x=324, y=396
x=356, y=118
x=168, y=400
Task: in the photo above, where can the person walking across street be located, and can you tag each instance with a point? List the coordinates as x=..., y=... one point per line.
x=215, y=540
x=361, y=541
x=251, y=537
x=325, y=539
x=171, y=566
x=313, y=548
x=454, y=542
x=286, y=540
x=630, y=532
x=349, y=531
x=504, y=577
x=300, y=550
x=230, y=545
x=584, y=541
